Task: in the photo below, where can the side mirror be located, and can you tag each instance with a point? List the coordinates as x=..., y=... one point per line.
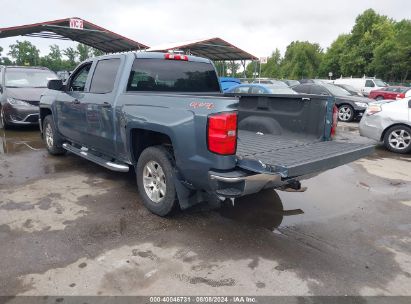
x=55, y=84
x=409, y=104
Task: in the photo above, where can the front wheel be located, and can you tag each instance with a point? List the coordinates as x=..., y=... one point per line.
x=345, y=113
x=379, y=98
x=3, y=123
x=52, y=139
x=155, y=180
x=398, y=139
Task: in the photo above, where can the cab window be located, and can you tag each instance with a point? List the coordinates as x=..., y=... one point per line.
x=78, y=81
x=369, y=84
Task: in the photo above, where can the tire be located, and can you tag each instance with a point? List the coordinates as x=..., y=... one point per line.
x=379, y=98
x=3, y=123
x=51, y=137
x=155, y=180
x=345, y=113
x=398, y=139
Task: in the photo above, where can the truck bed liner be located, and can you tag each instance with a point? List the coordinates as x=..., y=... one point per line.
x=294, y=156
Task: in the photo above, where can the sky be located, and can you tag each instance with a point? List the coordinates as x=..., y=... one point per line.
x=256, y=26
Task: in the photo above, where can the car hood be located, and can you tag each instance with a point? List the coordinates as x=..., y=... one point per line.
x=354, y=99
x=26, y=94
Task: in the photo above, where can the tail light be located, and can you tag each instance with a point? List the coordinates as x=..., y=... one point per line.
x=175, y=57
x=222, y=133
x=335, y=121
x=400, y=95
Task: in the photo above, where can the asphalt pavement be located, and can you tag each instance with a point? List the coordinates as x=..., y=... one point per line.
x=70, y=227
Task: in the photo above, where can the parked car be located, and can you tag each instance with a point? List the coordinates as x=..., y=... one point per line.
x=166, y=116
x=20, y=90
x=260, y=89
x=392, y=92
x=365, y=84
x=228, y=82
x=350, y=89
x=389, y=122
x=318, y=81
x=349, y=106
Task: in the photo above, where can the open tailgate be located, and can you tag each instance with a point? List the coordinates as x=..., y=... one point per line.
x=294, y=157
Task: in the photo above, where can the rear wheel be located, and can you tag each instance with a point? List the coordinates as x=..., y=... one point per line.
x=51, y=137
x=3, y=123
x=345, y=113
x=379, y=98
x=155, y=180
x=398, y=139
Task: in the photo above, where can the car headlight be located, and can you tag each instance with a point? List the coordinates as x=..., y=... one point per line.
x=17, y=102
x=361, y=104
x=373, y=109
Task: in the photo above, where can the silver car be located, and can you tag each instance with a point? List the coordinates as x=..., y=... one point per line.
x=389, y=121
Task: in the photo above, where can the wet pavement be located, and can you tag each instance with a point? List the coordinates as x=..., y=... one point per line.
x=70, y=227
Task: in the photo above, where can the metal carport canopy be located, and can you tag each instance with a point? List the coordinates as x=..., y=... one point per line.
x=215, y=49
x=75, y=29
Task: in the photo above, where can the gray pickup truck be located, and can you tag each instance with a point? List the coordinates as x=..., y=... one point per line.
x=165, y=115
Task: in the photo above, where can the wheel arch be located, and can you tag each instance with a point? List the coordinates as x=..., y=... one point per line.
x=141, y=138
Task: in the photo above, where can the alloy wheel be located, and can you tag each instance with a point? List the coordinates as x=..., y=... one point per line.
x=154, y=181
x=399, y=139
x=49, y=136
x=344, y=113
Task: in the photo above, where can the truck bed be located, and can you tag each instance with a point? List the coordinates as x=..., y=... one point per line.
x=289, y=135
x=296, y=156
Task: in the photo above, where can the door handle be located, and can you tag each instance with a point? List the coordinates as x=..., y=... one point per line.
x=305, y=99
x=76, y=101
x=106, y=105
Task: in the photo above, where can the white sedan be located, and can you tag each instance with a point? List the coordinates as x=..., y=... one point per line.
x=389, y=121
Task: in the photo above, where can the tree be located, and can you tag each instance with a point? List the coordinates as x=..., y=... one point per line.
x=53, y=60
x=84, y=51
x=97, y=52
x=301, y=60
x=331, y=60
x=272, y=68
x=370, y=31
x=24, y=53
x=71, y=55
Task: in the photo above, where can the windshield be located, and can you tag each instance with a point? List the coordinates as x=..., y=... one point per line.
x=28, y=78
x=337, y=91
x=380, y=83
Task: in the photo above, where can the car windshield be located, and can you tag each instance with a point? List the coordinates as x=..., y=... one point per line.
x=380, y=83
x=28, y=78
x=337, y=91
x=280, y=90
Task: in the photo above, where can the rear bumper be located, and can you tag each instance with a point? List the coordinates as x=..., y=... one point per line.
x=239, y=183
x=21, y=115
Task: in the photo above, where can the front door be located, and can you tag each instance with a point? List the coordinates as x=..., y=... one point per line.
x=100, y=106
x=71, y=105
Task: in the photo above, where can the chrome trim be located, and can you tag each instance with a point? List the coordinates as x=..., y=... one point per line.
x=252, y=183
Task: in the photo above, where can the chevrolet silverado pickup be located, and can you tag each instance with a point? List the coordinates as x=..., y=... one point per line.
x=164, y=115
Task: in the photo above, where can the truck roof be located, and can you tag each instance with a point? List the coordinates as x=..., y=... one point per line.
x=155, y=55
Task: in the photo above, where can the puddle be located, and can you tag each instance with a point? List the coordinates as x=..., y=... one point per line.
x=264, y=209
x=20, y=140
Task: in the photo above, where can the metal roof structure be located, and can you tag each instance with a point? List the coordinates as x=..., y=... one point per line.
x=75, y=29
x=215, y=49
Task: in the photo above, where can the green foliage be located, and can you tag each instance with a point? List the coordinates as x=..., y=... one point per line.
x=272, y=69
x=331, y=60
x=302, y=59
x=84, y=51
x=24, y=53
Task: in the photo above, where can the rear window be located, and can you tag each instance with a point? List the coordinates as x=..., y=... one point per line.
x=172, y=76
